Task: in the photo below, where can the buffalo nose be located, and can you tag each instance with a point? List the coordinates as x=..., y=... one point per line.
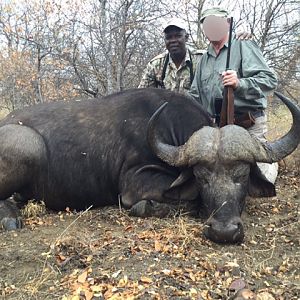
x=231, y=231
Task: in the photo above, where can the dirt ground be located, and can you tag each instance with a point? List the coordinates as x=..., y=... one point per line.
x=104, y=254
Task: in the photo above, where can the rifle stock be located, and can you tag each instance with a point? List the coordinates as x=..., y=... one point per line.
x=227, y=111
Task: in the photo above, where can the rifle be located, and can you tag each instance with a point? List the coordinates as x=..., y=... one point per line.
x=227, y=111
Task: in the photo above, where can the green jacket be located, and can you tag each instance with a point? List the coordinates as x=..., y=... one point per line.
x=175, y=79
x=256, y=78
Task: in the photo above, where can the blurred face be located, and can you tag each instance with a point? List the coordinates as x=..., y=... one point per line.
x=175, y=39
x=215, y=28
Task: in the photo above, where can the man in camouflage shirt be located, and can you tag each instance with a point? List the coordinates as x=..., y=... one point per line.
x=174, y=69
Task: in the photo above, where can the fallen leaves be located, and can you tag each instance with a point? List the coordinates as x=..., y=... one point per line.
x=88, y=286
x=109, y=255
x=82, y=277
x=146, y=280
x=265, y=296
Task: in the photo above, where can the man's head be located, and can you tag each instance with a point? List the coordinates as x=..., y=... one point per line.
x=175, y=38
x=215, y=23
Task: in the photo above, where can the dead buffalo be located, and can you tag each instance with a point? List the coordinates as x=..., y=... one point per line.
x=95, y=152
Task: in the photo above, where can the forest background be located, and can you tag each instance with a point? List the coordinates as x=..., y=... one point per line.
x=63, y=50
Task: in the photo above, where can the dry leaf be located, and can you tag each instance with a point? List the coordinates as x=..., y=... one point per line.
x=193, y=291
x=267, y=283
x=89, y=258
x=158, y=246
x=129, y=228
x=96, y=288
x=145, y=279
x=192, y=276
x=61, y=257
x=166, y=272
x=232, y=264
x=265, y=296
x=88, y=295
x=123, y=282
x=116, y=274
x=82, y=277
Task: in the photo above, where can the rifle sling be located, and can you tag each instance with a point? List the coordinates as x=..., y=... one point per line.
x=166, y=62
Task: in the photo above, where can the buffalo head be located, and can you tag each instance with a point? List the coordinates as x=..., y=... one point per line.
x=223, y=162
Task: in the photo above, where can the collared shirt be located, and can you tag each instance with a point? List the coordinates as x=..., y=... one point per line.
x=256, y=79
x=175, y=79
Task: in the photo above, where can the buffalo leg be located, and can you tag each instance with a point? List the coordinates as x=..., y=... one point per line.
x=142, y=193
x=151, y=208
x=22, y=156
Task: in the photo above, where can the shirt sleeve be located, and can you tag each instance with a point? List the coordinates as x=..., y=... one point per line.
x=257, y=79
x=148, y=77
x=194, y=91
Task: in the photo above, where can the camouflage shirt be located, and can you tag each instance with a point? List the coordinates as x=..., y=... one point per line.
x=175, y=79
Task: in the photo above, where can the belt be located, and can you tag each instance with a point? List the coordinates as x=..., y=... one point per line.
x=256, y=113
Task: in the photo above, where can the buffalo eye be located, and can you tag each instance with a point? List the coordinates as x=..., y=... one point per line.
x=240, y=173
x=202, y=175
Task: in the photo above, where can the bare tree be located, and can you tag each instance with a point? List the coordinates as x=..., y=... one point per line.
x=115, y=31
x=54, y=49
x=275, y=25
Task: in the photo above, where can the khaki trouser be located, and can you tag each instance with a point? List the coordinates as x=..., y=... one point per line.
x=259, y=129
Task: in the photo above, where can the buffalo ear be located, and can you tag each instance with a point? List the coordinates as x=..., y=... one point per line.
x=259, y=186
x=183, y=187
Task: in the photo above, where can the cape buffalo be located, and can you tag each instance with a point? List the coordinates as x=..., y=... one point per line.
x=95, y=152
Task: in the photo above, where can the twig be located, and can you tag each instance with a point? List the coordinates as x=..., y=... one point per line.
x=66, y=229
x=214, y=212
x=120, y=201
x=42, y=279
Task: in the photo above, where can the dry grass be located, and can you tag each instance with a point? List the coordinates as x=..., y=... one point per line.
x=3, y=112
x=279, y=123
x=34, y=209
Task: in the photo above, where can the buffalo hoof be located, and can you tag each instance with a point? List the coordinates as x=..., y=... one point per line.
x=11, y=223
x=150, y=208
x=9, y=215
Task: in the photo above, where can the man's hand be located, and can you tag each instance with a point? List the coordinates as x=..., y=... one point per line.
x=229, y=78
x=243, y=35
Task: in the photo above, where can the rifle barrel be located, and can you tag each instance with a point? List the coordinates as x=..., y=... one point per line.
x=229, y=44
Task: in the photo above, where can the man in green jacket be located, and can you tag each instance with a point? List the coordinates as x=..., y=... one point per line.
x=249, y=75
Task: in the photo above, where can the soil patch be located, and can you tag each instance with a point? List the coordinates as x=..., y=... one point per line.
x=105, y=254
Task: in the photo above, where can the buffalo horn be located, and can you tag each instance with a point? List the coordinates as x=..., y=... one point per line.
x=281, y=148
x=172, y=155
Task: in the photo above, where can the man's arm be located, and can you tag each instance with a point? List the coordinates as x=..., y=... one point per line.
x=149, y=77
x=257, y=79
x=195, y=89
